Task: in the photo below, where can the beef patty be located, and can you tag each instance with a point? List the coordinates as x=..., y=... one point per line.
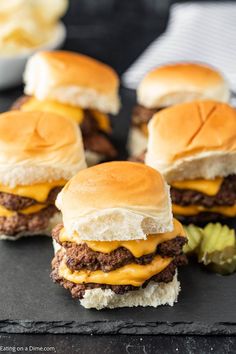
x=82, y=257
x=202, y=218
x=100, y=144
x=38, y=221
x=16, y=202
x=94, y=139
x=226, y=195
x=142, y=115
x=78, y=290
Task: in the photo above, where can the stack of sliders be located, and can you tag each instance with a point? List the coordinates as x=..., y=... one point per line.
x=39, y=153
x=119, y=245
x=169, y=85
x=77, y=87
x=194, y=146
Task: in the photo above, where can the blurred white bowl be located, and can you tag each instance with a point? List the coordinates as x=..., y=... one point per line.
x=12, y=67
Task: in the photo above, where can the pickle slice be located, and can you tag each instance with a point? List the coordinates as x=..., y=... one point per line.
x=194, y=235
x=224, y=268
x=218, y=244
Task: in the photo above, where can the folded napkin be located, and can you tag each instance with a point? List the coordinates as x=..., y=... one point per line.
x=200, y=32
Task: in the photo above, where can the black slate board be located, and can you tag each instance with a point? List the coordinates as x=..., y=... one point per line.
x=31, y=303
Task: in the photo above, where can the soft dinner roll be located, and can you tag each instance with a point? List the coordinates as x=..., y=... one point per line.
x=193, y=140
x=116, y=201
x=181, y=82
x=74, y=79
x=37, y=147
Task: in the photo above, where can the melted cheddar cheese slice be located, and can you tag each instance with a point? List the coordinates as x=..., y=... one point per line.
x=30, y=210
x=137, y=247
x=196, y=209
x=144, y=129
x=102, y=120
x=37, y=191
x=76, y=113
x=32, y=104
x=209, y=187
x=130, y=274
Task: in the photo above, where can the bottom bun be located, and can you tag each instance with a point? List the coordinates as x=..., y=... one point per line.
x=55, y=219
x=137, y=142
x=56, y=246
x=155, y=294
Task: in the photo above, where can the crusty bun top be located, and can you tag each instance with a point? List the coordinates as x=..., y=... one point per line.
x=181, y=82
x=37, y=146
x=114, y=184
x=111, y=201
x=72, y=78
x=191, y=131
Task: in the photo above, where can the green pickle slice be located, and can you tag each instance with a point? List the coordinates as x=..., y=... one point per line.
x=194, y=235
x=218, y=249
x=224, y=268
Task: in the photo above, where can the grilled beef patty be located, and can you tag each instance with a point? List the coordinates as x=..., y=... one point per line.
x=16, y=202
x=78, y=290
x=142, y=115
x=226, y=195
x=82, y=257
x=27, y=222
x=202, y=218
x=94, y=139
x=100, y=144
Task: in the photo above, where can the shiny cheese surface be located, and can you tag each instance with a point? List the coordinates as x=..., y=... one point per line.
x=196, y=209
x=32, y=104
x=76, y=113
x=209, y=187
x=130, y=274
x=138, y=248
x=102, y=120
x=37, y=191
x=144, y=129
x=30, y=210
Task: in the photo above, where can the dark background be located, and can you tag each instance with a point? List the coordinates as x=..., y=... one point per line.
x=116, y=32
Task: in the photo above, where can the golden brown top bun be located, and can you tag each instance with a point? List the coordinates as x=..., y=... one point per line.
x=38, y=147
x=193, y=140
x=74, y=79
x=116, y=201
x=181, y=82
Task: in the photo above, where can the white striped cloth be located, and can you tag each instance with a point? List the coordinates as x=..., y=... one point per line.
x=202, y=32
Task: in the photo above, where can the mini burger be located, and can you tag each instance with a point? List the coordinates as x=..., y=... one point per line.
x=169, y=85
x=118, y=245
x=194, y=146
x=39, y=153
x=78, y=87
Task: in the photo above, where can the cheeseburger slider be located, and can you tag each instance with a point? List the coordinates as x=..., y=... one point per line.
x=169, y=85
x=118, y=245
x=39, y=152
x=77, y=87
x=194, y=146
